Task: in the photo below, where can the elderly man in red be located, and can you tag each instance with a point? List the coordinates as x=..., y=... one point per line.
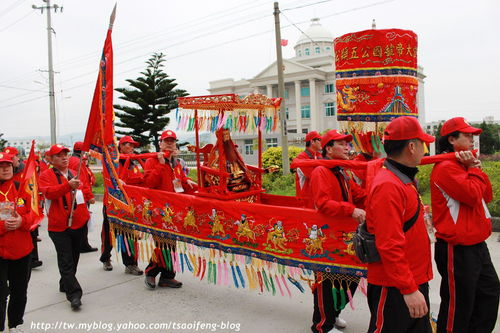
x=334, y=193
x=61, y=189
x=15, y=247
x=165, y=173
x=17, y=163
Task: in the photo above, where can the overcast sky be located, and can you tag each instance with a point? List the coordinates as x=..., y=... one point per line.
x=459, y=49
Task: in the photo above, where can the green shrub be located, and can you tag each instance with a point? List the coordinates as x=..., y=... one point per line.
x=276, y=183
x=99, y=183
x=492, y=169
x=272, y=156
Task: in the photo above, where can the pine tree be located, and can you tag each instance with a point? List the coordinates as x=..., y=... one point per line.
x=154, y=96
x=3, y=142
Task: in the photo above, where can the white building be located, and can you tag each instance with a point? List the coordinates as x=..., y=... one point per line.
x=310, y=97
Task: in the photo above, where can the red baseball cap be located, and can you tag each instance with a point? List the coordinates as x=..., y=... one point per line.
x=312, y=135
x=78, y=146
x=459, y=124
x=168, y=134
x=334, y=135
x=56, y=149
x=128, y=139
x=11, y=151
x=406, y=128
x=4, y=157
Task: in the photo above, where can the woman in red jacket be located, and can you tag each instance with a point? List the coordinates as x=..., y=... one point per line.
x=460, y=190
x=61, y=189
x=15, y=247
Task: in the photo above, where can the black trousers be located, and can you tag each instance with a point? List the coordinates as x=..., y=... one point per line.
x=85, y=242
x=469, y=288
x=67, y=244
x=14, y=278
x=34, y=253
x=390, y=314
x=106, y=245
x=325, y=313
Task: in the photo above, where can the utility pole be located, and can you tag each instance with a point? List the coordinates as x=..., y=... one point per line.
x=52, y=101
x=281, y=91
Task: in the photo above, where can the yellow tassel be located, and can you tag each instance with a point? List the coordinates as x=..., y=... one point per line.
x=249, y=278
x=141, y=247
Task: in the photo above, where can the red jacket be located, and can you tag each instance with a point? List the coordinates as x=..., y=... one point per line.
x=161, y=176
x=405, y=257
x=304, y=192
x=308, y=154
x=54, y=193
x=131, y=175
x=17, y=243
x=327, y=193
x=459, y=196
x=85, y=172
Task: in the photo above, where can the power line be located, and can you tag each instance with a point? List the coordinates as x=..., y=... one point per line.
x=11, y=7
x=17, y=21
x=16, y=88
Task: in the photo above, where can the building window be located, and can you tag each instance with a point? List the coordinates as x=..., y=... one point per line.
x=317, y=50
x=299, y=53
x=286, y=93
x=249, y=147
x=304, y=91
x=292, y=131
x=305, y=130
x=287, y=114
x=305, y=111
x=272, y=142
x=329, y=109
x=328, y=49
x=329, y=88
x=306, y=51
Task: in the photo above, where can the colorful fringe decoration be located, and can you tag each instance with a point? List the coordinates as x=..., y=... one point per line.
x=247, y=121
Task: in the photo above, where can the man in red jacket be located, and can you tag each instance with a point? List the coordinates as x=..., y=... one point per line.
x=15, y=247
x=302, y=182
x=398, y=290
x=313, y=147
x=165, y=174
x=18, y=164
x=79, y=161
x=66, y=224
x=459, y=191
x=129, y=173
x=334, y=193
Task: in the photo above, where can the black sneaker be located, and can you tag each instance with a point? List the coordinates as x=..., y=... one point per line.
x=107, y=265
x=36, y=263
x=76, y=303
x=150, y=282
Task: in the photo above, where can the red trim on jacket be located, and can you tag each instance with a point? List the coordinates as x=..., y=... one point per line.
x=457, y=195
x=405, y=258
x=327, y=193
x=15, y=244
x=53, y=191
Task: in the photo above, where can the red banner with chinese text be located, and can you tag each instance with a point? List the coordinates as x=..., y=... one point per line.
x=376, y=75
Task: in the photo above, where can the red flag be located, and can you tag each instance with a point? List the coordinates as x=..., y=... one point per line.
x=28, y=188
x=284, y=42
x=100, y=124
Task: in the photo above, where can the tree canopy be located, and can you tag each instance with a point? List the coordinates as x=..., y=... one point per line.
x=150, y=99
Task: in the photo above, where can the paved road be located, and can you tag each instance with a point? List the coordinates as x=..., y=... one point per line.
x=114, y=298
